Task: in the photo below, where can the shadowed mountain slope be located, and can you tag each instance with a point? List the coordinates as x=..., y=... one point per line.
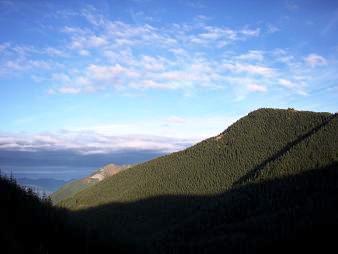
x=298, y=212
x=293, y=213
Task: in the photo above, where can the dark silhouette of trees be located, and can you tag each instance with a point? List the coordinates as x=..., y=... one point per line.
x=30, y=224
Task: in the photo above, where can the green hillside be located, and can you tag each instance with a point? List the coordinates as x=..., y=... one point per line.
x=215, y=164
x=269, y=179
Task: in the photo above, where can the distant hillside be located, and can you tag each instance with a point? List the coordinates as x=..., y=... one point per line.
x=70, y=189
x=269, y=179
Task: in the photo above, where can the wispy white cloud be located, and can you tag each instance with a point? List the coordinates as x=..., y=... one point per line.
x=257, y=88
x=252, y=55
x=4, y=46
x=55, y=52
x=84, y=52
x=91, y=41
x=249, y=68
x=90, y=13
x=250, y=32
x=151, y=84
x=175, y=120
x=61, y=77
x=177, y=127
x=286, y=83
x=297, y=85
x=90, y=143
x=109, y=73
x=69, y=90
x=150, y=63
x=283, y=56
x=163, y=135
x=221, y=35
x=272, y=28
x=16, y=66
x=314, y=60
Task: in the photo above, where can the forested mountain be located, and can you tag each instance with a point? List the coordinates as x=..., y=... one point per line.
x=70, y=189
x=266, y=143
x=267, y=184
x=270, y=177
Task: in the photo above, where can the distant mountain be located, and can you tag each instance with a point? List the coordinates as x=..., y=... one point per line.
x=70, y=189
x=255, y=183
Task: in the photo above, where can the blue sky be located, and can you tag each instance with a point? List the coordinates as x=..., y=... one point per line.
x=101, y=76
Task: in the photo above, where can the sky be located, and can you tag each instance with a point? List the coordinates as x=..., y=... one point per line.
x=95, y=77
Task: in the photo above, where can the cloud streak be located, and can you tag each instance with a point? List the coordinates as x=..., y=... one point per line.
x=90, y=142
x=314, y=60
x=163, y=135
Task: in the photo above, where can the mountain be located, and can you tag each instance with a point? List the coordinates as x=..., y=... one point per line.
x=269, y=179
x=70, y=189
x=291, y=139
